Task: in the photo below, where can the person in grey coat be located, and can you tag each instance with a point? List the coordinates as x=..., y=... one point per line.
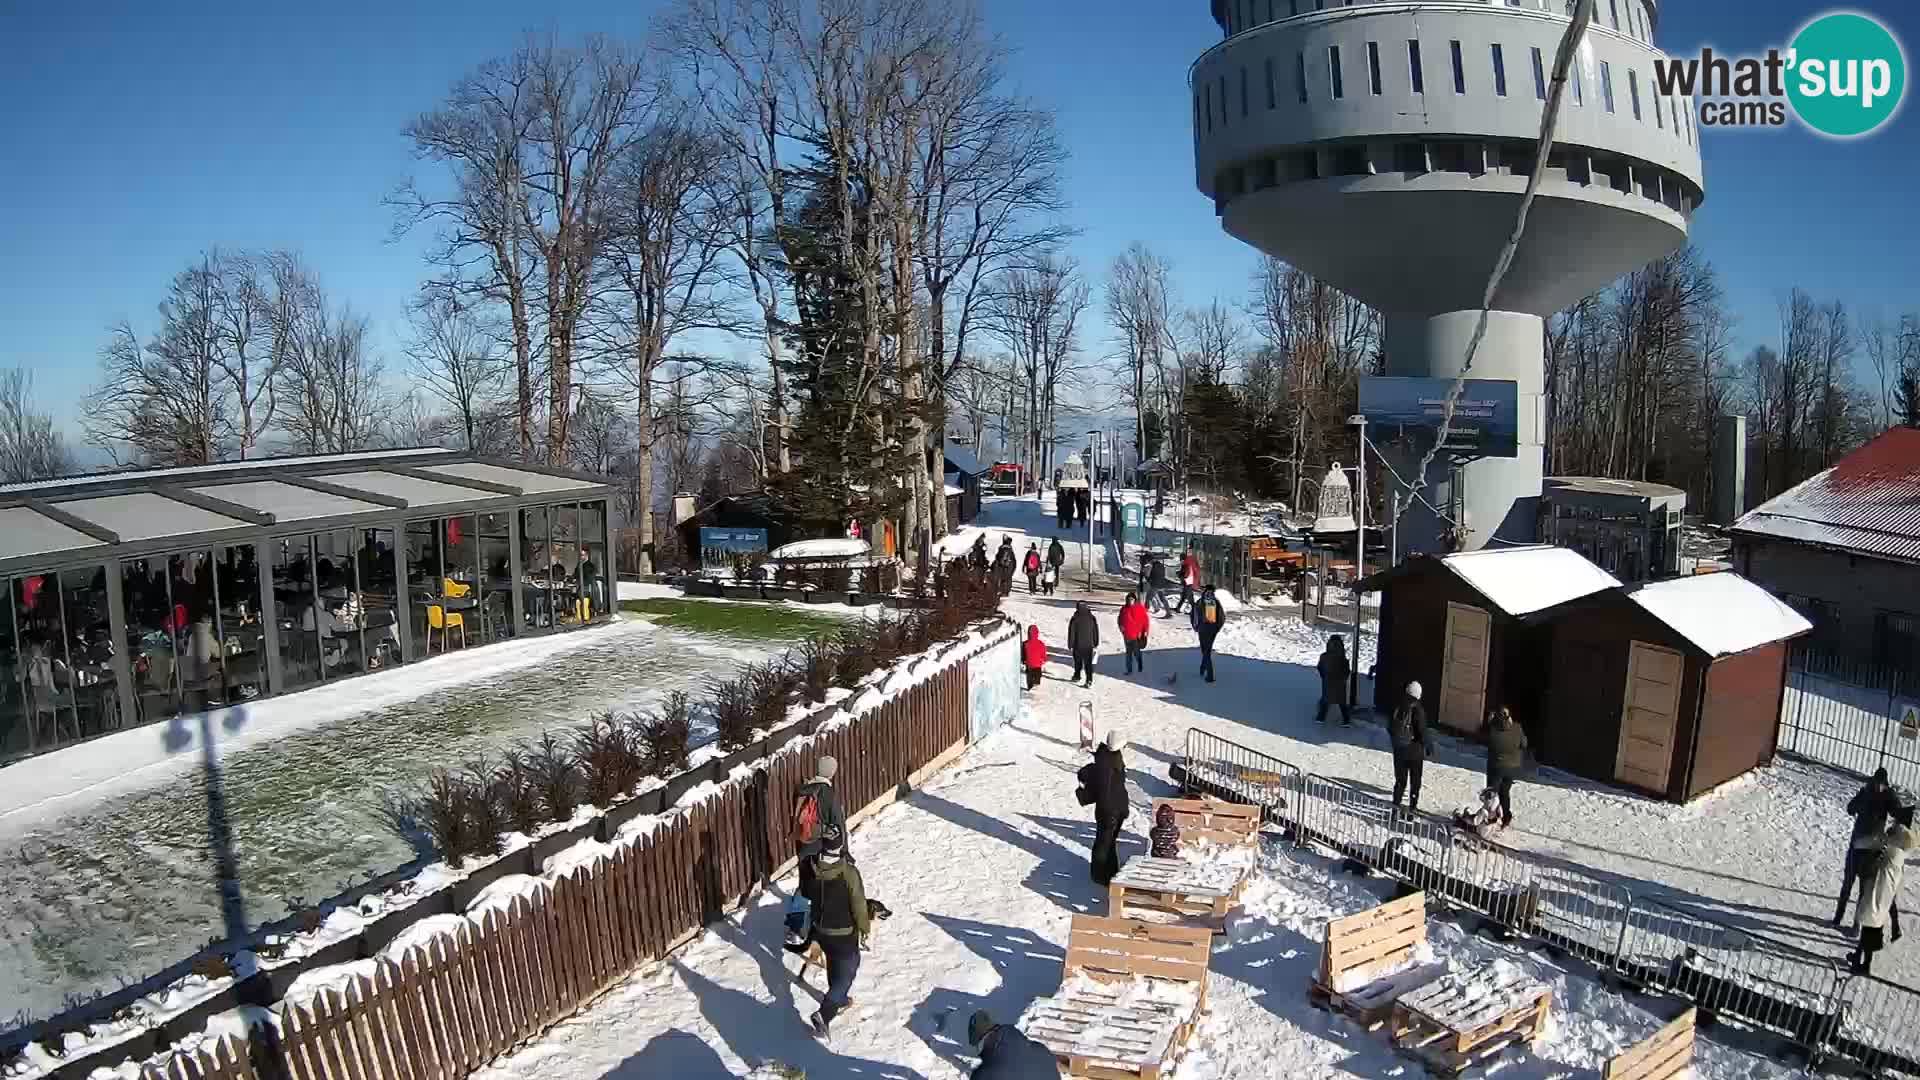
x=1506, y=756
x=1007, y=1054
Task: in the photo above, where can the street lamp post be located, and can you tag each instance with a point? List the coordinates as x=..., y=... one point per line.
x=1092, y=438
x=1359, y=424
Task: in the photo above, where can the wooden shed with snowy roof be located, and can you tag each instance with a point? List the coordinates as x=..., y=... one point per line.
x=1671, y=688
x=1460, y=626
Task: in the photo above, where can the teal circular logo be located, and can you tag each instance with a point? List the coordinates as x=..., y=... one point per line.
x=1846, y=74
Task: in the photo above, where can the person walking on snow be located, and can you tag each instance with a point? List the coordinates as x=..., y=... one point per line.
x=1334, y=672
x=1189, y=578
x=1165, y=834
x=1880, y=888
x=1056, y=555
x=1133, y=632
x=1083, y=637
x=1007, y=1054
x=979, y=553
x=1103, y=786
x=1408, y=733
x=1003, y=568
x=1506, y=756
x=1032, y=568
x=1207, y=616
x=841, y=921
x=819, y=821
x=1157, y=587
x=1033, y=656
x=1870, y=807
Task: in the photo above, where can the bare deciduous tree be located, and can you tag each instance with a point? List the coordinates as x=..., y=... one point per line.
x=331, y=397
x=31, y=448
x=457, y=362
x=1036, y=311
x=160, y=402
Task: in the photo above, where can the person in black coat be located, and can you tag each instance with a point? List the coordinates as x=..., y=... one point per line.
x=1056, y=555
x=979, y=552
x=1870, y=808
x=1007, y=1054
x=1103, y=785
x=1003, y=566
x=1207, y=615
x=1156, y=587
x=1083, y=637
x=1334, y=672
x=1408, y=733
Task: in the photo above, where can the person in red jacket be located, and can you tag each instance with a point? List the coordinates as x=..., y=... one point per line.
x=1033, y=656
x=1133, y=632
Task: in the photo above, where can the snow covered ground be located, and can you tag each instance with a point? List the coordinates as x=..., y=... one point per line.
x=115, y=881
x=985, y=867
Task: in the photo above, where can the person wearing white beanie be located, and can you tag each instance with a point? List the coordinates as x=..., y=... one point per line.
x=1103, y=785
x=1407, y=730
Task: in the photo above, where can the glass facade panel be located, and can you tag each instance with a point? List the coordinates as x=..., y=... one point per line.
x=294, y=601
x=535, y=563
x=96, y=692
x=338, y=612
x=594, y=580
x=496, y=577
x=46, y=677
x=13, y=682
x=243, y=639
x=379, y=598
x=564, y=572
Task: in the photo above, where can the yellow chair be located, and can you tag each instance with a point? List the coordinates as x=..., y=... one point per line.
x=439, y=618
x=455, y=590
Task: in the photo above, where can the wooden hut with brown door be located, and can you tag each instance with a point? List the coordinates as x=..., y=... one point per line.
x=1671, y=688
x=1459, y=625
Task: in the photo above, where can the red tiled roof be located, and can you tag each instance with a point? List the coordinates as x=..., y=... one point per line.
x=1867, y=502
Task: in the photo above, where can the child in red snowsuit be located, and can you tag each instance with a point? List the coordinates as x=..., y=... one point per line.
x=1033, y=656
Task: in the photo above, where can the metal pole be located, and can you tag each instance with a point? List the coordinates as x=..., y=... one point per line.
x=1393, y=534
x=1359, y=552
x=1090, y=442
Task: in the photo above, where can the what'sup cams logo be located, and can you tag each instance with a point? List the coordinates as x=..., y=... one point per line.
x=1844, y=75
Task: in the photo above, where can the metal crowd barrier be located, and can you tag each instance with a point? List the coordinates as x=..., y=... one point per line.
x=1803, y=996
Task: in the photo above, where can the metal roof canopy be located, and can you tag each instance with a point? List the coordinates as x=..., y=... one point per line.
x=52, y=524
x=1867, y=503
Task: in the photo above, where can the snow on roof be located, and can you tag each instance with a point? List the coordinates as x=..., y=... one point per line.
x=179, y=473
x=1523, y=580
x=828, y=548
x=951, y=490
x=1721, y=613
x=1869, y=502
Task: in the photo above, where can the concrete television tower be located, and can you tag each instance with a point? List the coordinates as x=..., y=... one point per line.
x=1384, y=147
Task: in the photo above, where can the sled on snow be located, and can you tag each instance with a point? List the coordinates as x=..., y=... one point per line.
x=1131, y=993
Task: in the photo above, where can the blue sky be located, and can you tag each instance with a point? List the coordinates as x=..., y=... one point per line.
x=140, y=137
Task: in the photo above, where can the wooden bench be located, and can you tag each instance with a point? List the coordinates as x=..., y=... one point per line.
x=1367, y=960
x=1213, y=820
x=1664, y=1055
x=1130, y=995
x=1463, y=1018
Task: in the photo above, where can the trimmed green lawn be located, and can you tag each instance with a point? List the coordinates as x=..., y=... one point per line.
x=777, y=622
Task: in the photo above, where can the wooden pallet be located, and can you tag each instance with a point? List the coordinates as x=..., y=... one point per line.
x=1090, y=1032
x=1463, y=1018
x=1173, y=886
x=1360, y=948
x=1214, y=820
x=1664, y=1055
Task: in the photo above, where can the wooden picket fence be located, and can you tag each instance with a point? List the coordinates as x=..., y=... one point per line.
x=451, y=1005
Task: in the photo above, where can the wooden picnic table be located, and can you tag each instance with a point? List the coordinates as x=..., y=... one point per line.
x=1463, y=1017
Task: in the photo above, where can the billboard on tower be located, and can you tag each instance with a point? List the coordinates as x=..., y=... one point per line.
x=1405, y=413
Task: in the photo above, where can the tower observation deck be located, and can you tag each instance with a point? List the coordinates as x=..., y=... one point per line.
x=1384, y=147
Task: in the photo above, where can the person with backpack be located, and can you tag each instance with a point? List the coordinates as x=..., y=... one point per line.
x=819, y=821
x=1003, y=563
x=1165, y=834
x=1408, y=733
x=1007, y=1054
x=841, y=923
x=1032, y=567
x=1056, y=555
x=1334, y=672
x=1083, y=637
x=1870, y=807
x=1886, y=866
x=1207, y=616
x=1103, y=786
x=1033, y=656
x=1157, y=586
x=978, y=555
x=1189, y=579
x=1133, y=632
x=1506, y=756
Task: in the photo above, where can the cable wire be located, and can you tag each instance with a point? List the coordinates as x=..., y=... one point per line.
x=1549, y=121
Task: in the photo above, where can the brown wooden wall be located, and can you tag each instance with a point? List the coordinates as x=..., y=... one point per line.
x=1740, y=719
x=1414, y=646
x=1592, y=644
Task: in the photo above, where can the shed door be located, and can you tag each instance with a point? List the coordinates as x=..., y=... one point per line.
x=1463, y=679
x=1650, y=715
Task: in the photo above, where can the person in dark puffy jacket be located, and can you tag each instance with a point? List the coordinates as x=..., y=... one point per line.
x=1007, y=1054
x=1334, y=673
x=1165, y=834
x=1506, y=756
x=1157, y=586
x=1083, y=637
x=1056, y=555
x=1103, y=785
x=1870, y=808
x=1408, y=733
x=1208, y=615
x=1033, y=656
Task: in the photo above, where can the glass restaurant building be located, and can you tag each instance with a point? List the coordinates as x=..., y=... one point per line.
x=128, y=598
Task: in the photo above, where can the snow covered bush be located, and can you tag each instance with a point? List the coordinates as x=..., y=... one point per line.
x=488, y=818
x=856, y=657
x=516, y=790
x=665, y=735
x=557, y=772
x=816, y=659
x=444, y=810
x=610, y=759
x=734, y=711
x=772, y=685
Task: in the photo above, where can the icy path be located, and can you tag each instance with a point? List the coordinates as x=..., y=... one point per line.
x=984, y=870
x=121, y=884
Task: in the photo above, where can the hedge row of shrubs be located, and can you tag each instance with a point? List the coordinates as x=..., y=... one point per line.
x=466, y=812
